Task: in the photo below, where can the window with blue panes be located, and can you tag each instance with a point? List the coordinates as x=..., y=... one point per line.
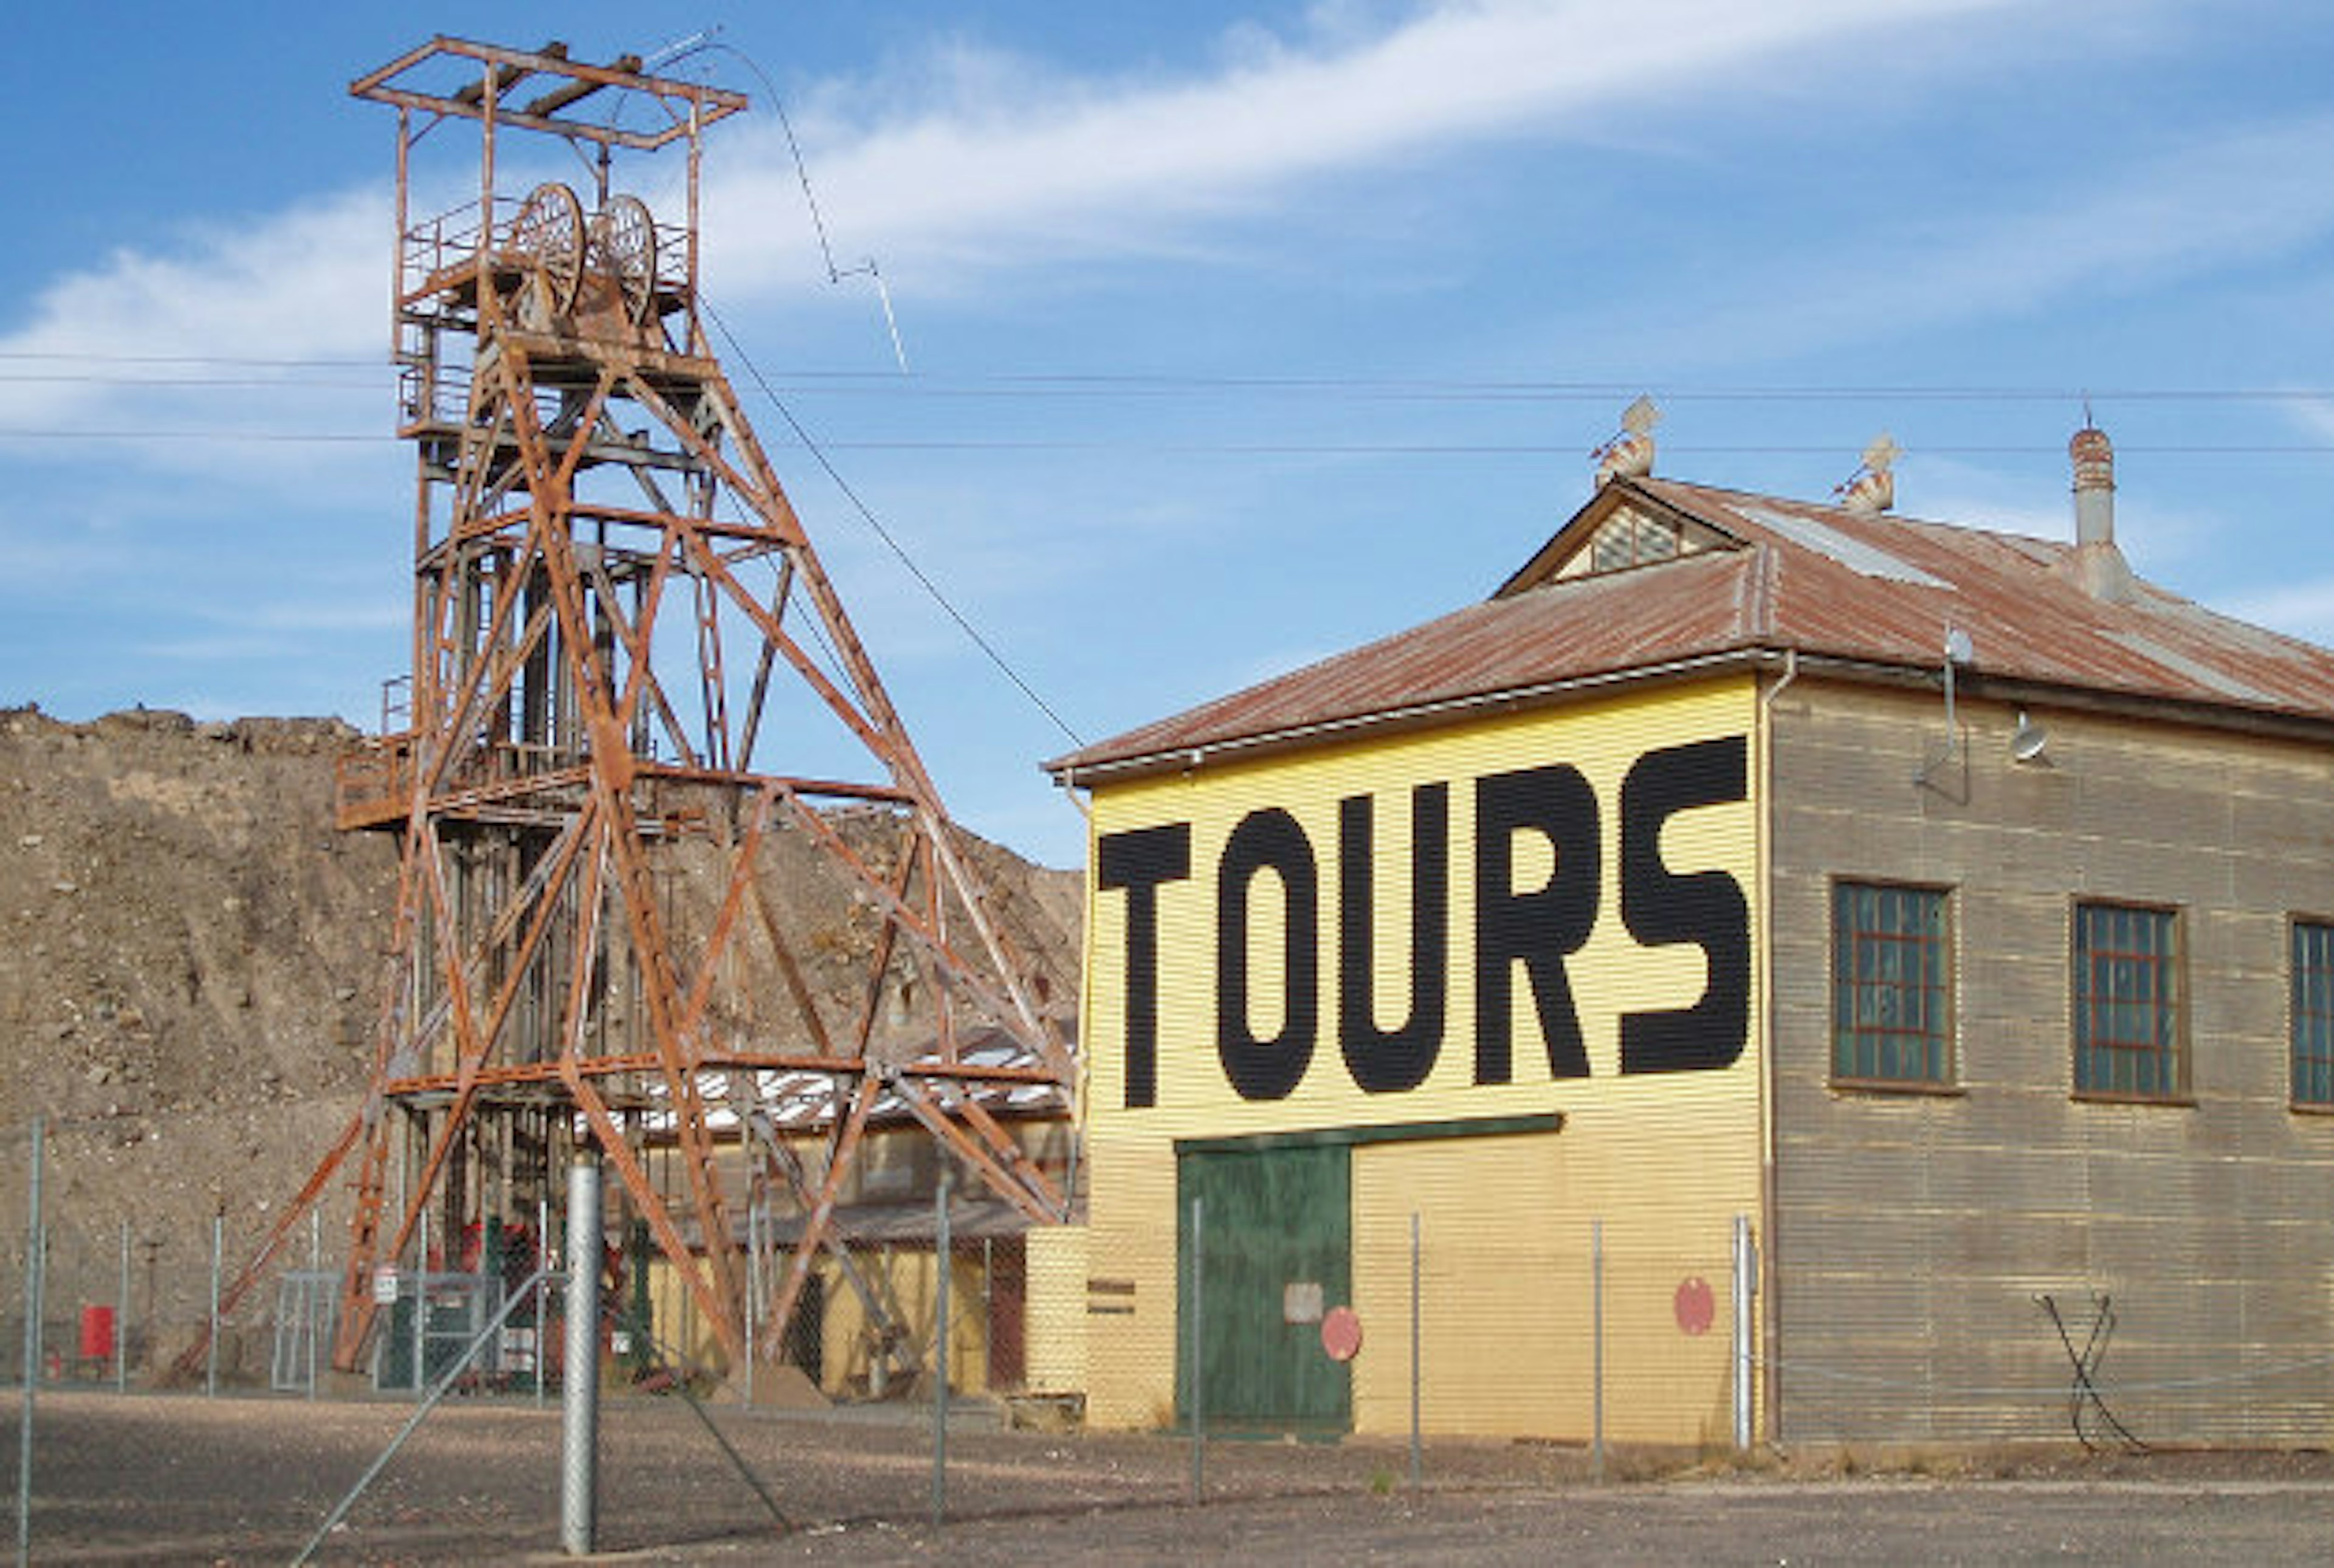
x=2130, y=1027
x=1891, y=983
x=2312, y=973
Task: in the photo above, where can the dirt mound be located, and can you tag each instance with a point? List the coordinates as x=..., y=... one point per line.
x=189, y=980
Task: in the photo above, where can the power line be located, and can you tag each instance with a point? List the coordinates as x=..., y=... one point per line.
x=1061, y=384
x=817, y=449
x=867, y=514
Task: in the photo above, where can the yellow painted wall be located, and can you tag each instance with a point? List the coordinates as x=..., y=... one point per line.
x=1665, y=1161
x=909, y=1284
x=677, y=1321
x=1057, y=1312
x=846, y=1341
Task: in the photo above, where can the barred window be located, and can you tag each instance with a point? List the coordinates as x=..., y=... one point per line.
x=2313, y=1013
x=2130, y=1033
x=1892, y=985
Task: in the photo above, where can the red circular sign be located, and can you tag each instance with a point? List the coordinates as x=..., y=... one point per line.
x=1341, y=1333
x=1696, y=1308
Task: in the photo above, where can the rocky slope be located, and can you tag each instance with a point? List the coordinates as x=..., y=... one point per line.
x=189, y=982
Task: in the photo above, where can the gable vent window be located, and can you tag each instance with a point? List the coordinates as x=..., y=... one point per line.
x=1632, y=539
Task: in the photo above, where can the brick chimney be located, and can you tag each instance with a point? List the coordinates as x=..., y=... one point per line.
x=2098, y=566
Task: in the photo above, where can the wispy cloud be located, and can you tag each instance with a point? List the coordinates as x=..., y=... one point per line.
x=1004, y=159
x=2224, y=201
x=306, y=282
x=1014, y=160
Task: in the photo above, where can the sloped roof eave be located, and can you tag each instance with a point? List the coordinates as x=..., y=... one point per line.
x=1081, y=769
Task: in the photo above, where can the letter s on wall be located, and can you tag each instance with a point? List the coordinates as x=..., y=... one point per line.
x=1705, y=909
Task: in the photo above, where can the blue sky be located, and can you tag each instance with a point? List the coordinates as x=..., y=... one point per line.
x=1236, y=334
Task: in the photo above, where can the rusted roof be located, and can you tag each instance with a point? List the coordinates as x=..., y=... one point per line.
x=1871, y=592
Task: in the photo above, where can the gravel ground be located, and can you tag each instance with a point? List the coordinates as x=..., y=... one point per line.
x=176, y=1478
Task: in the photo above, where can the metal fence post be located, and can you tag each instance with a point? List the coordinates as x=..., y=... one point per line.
x=422, y=1309
x=1198, y=1356
x=36, y=1245
x=542, y=1291
x=121, y=1318
x=940, y=1349
x=308, y=1297
x=211, y=1348
x=579, y=1467
x=1596, y=1347
x=1745, y=1269
x=1417, y=1463
x=753, y=1290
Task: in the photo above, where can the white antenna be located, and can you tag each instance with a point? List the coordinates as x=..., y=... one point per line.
x=835, y=275
x=802, y=171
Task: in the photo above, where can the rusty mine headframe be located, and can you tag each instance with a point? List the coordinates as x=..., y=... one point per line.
x=611, y=594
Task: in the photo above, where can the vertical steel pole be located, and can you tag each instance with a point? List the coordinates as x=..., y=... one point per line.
x=315, y=1292
x=579, y=1479
x=1417, y=1379
x=1744, y=1269
x=422, y=1309
x=940, y=1349
x=210, y=1350
x=121, y=1318
x=1199, y=1368
x=542, y=1291
x=1596, y=1346
x=753, y=1289
x=34, y=1245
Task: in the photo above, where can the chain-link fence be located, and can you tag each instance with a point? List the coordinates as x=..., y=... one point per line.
x=1623, y=1329
x=120, y=1297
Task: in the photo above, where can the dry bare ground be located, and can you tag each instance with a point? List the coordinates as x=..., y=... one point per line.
x=177, y=1479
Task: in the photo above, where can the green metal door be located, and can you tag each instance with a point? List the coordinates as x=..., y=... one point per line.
x=1274, y=1250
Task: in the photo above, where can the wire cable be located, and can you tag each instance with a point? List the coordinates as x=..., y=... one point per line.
x=867, y=514
x=1236, y=449
x=1082, y=383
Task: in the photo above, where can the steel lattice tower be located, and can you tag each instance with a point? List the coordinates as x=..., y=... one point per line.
x=610, y=591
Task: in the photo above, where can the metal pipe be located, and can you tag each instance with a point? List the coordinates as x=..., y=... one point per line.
x=34, y=1245
x=580, y=1392
x=445, y=1384
x=1745, y=1267
x=1763, y=947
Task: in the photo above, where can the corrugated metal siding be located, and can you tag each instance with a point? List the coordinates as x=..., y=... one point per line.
x=1131, y=1281
x=1507, y=1308
x=1665, y=1160
x=1914, y=1234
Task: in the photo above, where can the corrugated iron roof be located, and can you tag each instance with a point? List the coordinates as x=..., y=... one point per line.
x=1873, y=590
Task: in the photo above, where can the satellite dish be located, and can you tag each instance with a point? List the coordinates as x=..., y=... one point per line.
x=1958, y=646
x=2027, y=744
